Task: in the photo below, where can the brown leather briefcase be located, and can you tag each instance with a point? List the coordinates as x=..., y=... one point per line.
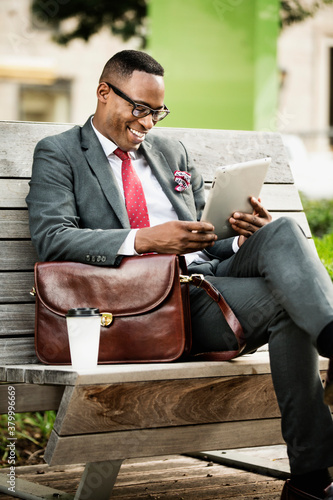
x=144, y=303
x=145, y=309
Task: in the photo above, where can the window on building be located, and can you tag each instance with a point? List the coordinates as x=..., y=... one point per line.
x=45, y=103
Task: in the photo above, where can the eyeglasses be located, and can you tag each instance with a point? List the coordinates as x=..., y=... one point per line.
x=140, y=110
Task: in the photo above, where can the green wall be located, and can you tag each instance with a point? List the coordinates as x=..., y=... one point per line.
x=220, y=61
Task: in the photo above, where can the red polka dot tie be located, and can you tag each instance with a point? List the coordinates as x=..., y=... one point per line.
x=135, y=200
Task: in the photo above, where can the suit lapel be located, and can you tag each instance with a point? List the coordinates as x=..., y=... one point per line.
x=164, y=173
x=99, y=164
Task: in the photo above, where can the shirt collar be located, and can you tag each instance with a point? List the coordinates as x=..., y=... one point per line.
x=108, y=146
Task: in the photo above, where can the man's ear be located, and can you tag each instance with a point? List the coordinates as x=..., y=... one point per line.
x=103, y=92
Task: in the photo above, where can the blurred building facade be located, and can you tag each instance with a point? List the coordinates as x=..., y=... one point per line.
x=305, y=57
x=42, y=81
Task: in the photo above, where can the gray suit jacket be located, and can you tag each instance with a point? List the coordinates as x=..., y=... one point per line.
x=76, y=211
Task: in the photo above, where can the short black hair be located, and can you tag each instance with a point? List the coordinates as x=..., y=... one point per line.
x=125, y=62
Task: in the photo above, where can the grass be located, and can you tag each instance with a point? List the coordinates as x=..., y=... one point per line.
x=320, y=217
x=32, y=431
x=324, y=247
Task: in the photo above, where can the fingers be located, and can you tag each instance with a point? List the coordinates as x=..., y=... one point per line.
x=258, y=208
x=175, y=237
x=247, y=224
x=197, y=235
x=199, y=227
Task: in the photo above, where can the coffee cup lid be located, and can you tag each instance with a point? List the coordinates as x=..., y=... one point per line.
x=83, y=311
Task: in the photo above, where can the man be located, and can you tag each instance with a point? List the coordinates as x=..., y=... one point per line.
x=80, y=209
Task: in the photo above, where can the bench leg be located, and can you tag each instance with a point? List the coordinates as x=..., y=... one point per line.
x=30, y=491
x=98, y=480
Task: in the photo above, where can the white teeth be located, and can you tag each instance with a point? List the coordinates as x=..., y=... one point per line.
x=138, y=134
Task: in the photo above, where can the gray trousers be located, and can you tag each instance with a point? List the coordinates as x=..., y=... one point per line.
x=283, y=296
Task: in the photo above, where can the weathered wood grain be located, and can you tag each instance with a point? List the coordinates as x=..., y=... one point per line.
x=171, y=477
x=167, y=403
x=257, y=363
x=32, y=397
x=16, y=286
x=275, y=196
x=16, y=161
x=14, y=224
x=169, y=440
x=17, y=319
x=13, y=193
x=17, y=255
x=209, y=148
x=16, y=351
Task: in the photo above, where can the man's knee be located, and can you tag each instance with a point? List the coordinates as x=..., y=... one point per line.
x=284, y=225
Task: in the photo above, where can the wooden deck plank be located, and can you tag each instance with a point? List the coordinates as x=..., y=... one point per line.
x=172, y=477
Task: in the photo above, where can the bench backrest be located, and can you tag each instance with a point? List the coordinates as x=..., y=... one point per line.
x=209, y=149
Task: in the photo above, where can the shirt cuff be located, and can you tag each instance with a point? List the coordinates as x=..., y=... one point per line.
x=235, y=245
x=127, y=248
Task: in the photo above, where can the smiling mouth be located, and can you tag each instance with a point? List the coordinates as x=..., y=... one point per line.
x=140, y=135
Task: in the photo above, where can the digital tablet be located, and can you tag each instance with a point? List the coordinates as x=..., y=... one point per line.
x=231, y=191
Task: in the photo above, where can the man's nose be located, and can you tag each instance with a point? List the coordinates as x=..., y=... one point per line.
x=147, y=121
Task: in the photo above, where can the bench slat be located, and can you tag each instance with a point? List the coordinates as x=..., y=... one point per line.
x=17, y=256
x=13, y=193
x=17, y=351
x=15, y=287
x=14, y=224
x=156, y=404
x=16, y=319
x=209, y=148
x=16, y=161
x=151, y=442
x=32, y=397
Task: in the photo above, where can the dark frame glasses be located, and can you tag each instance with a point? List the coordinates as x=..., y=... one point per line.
x=140, y=110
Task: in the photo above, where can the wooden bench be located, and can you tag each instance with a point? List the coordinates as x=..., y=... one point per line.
x=128, y=411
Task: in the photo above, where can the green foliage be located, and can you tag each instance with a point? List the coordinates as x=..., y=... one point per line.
x=320, y=217
x=122, y=17
x=319, y=214
x=295, y=11
x=325, y=251
x=127, y=17
x=32, y=431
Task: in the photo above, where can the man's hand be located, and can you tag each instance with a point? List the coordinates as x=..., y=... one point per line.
x=177, y=237
x=247, y=224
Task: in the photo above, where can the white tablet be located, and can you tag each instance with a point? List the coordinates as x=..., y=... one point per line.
x=231, y=191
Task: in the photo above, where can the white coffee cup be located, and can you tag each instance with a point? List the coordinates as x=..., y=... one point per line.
x=83, y=325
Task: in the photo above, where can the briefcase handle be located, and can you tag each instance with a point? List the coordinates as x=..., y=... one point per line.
x=199, y=281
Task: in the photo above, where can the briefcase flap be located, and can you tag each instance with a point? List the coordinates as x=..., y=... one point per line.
x=140, y=286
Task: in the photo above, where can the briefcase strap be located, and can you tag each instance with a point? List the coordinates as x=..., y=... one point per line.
x=199, y=281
